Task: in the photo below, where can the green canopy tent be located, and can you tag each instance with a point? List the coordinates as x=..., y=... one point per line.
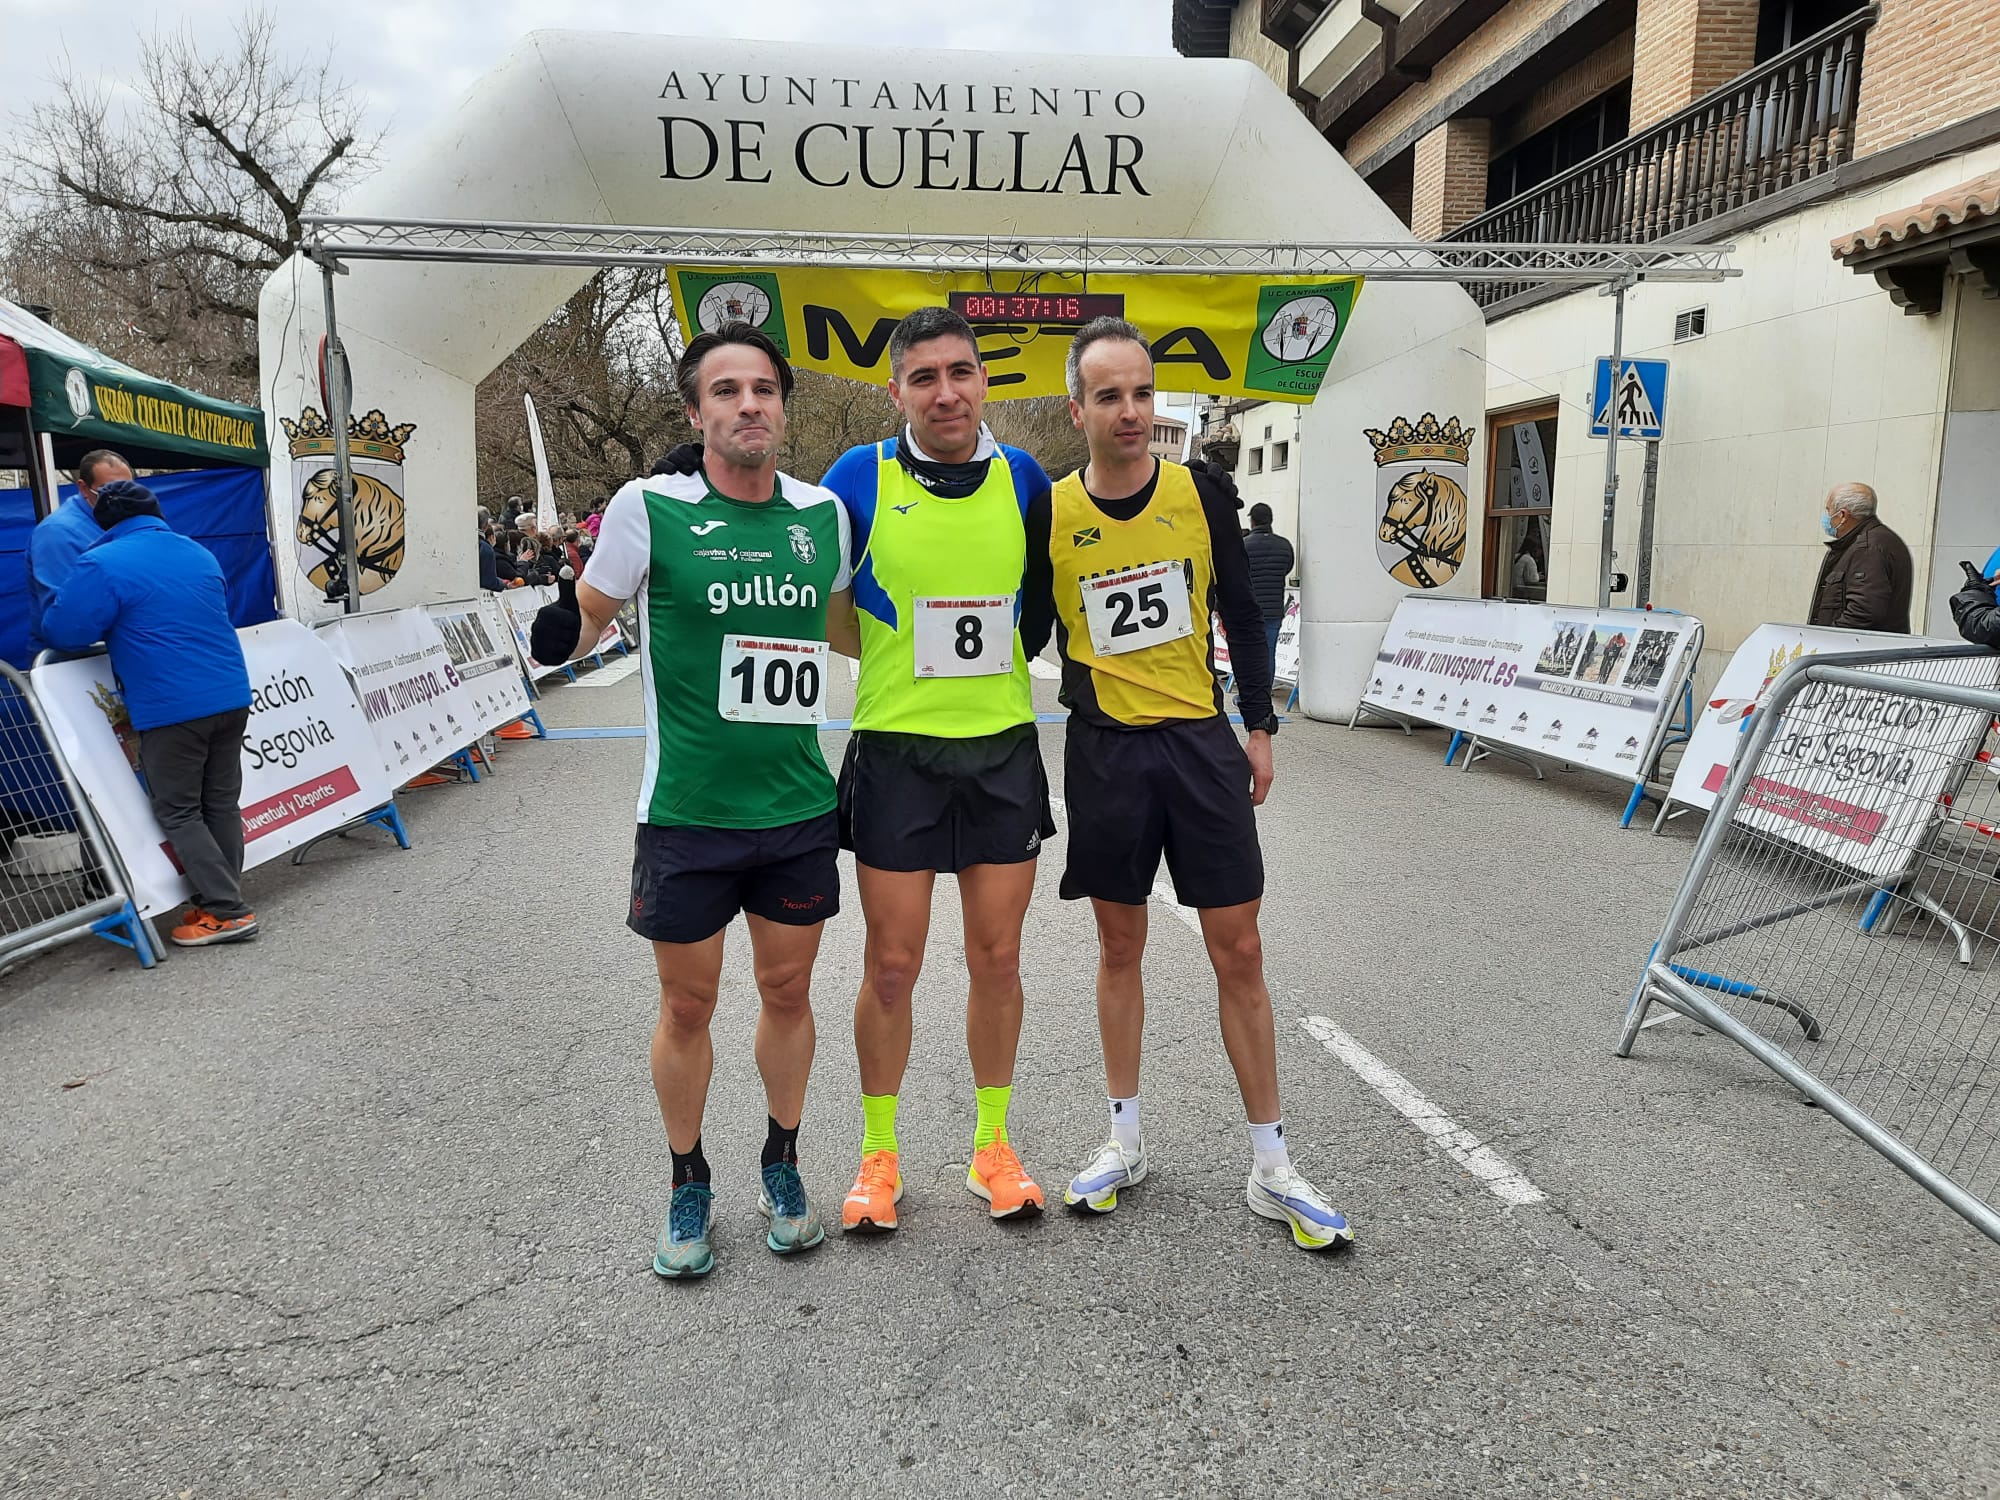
x=60, y=398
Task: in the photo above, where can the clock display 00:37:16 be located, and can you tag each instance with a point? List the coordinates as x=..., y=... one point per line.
x=1036, y=307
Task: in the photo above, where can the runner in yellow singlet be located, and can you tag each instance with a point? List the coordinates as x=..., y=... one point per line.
x=1129, y=557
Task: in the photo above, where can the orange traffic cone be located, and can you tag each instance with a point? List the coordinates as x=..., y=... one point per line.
x=518, y=730
x=429, y=778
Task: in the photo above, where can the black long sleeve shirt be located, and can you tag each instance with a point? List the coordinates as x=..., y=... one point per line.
x=1232, y=599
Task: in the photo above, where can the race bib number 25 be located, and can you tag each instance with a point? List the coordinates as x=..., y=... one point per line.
x=771, y=680
x=964, y=637
x=1140, y=607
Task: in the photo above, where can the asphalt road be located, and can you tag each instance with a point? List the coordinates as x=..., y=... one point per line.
x=366, y=1208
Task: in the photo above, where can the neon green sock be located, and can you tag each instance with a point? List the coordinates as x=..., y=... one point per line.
x=878, y=1130
x=992, y=1116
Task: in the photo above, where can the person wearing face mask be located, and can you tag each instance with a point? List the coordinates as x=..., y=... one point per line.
x=67, y=532
x=1864, y=581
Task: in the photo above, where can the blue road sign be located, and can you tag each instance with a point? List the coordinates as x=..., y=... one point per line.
x=1636, y=400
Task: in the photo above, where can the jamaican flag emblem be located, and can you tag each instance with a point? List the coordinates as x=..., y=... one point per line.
x=1090, y=536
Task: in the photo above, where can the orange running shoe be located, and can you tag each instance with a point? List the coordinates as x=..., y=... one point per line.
x=202, y=928
x=871, y=1203
x=997, y=1176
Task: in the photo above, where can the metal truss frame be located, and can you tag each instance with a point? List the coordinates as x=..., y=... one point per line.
x=333, y=239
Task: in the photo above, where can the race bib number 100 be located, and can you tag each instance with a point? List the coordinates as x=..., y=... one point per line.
x=770, y=680
x=964, y=637
x=1137, y=608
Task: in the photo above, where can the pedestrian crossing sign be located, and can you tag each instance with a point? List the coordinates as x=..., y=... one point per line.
x=1636, y=399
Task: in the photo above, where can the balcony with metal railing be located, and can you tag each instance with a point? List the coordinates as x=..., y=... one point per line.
x=1783, y=122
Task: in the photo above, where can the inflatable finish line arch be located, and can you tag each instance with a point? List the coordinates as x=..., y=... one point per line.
x=587, y=129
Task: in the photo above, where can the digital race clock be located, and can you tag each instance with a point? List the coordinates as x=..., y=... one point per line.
x=1036, y=307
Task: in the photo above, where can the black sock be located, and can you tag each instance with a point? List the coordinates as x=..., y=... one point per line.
x=780, y=1144
x=689, y=1166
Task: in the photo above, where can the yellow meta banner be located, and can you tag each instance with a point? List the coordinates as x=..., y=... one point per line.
x=1231, y=335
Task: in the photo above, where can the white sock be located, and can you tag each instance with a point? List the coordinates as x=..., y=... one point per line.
x=1125, y=1122
x=1267, y=1144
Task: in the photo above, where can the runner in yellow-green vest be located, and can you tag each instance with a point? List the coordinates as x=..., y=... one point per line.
x=943, y=770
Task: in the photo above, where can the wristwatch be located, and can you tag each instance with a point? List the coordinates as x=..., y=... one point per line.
x=1269, y=723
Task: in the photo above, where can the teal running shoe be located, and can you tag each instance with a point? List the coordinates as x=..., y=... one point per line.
x=795, y=1220
x=683, y=1248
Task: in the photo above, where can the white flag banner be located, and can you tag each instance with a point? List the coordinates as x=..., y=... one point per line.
x=479, y=641
x=1590, y=687
x=545, y=491
x=1288, y=640
x=1849, y=774
x=416, y=702
x=310, y=764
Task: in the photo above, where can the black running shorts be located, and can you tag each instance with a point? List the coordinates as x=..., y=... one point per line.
x=1181, y=789
x=688, y=883
x=920, y=802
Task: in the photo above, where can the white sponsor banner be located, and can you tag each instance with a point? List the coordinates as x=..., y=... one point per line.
x=1850, y=775
x=310, y=764
x=1591, y=687
x=520, y=606
x=414, y=699
x=479, y=642
x=1288, y=640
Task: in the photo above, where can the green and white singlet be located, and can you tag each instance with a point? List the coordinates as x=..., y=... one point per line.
x=732, y=629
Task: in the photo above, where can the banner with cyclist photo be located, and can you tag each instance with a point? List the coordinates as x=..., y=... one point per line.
x=1269, y=337
x=415, y=701
x=310, y=763
x=1588, y=687
x=476, y=638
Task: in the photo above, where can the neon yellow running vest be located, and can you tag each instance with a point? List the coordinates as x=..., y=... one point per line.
x=923, y=546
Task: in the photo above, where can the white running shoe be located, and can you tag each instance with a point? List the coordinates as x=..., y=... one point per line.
x=1096, y=1186
x=1316, y=1223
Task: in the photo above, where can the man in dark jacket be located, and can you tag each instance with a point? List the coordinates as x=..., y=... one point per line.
x=1864, y=583
x=1270, y=565
x=156, y=599
x=1976, y=611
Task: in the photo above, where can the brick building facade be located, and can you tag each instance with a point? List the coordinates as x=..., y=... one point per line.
x=1785, y=127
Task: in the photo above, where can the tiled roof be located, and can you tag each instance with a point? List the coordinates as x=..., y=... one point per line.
x=1968, y=204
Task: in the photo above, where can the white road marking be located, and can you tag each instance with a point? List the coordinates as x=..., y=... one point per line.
x=1163, y=891
x=853, y=668
x=608, y=675
x=1501, y=1177
x=1043, y=669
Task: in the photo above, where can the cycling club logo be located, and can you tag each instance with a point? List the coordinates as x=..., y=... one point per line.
x=1420, y=496
x=375, y=454
x=802, y=543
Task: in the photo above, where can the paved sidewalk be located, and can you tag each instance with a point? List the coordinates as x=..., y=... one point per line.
x=367, y=1207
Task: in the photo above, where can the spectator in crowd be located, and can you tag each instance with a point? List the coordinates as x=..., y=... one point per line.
x=1864, y=582
x=66, y=533
x=157, y=601
x=489, y=561
x=1270, y=565
x=592, y=522
x=571, y=551
x=517, y=515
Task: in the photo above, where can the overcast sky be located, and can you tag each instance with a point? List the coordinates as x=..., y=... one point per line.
x=411, y=58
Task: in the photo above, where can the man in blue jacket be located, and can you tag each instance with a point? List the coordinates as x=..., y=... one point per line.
x=156, y=599
x=66, y=533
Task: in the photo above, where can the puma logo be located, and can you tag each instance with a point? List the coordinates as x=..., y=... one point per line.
x=707, y=526
x=1166, y=521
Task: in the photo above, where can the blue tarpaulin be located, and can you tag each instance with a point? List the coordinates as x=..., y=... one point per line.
x=223, y=509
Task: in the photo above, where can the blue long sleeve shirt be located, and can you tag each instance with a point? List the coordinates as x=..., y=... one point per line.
x=61, y=537
x=157, y=601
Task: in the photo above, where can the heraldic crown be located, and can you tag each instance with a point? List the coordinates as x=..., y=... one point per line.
x=1450, y=444
x=367, y=437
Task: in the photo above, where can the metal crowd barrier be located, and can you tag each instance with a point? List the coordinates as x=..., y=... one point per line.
x=60, y=876
x=1840, y=916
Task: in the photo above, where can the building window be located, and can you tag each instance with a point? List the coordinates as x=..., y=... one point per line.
x=1281, y=455
x=1783, y=24
x=1520, y=501
x=1577, y=136
x=1256, y=460
x=1267, y=431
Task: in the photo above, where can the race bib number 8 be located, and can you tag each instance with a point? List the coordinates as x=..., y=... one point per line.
x=1140, y=607
x=770, y=680
x=964, y=637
